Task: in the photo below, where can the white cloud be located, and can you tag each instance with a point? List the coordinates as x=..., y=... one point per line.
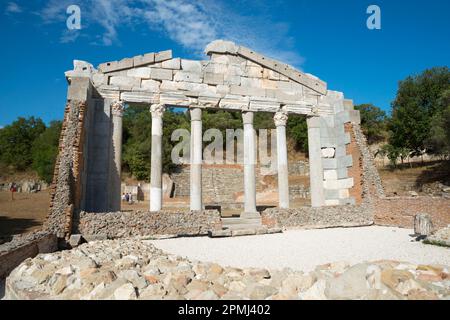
x=192, y=24
x=13, y=7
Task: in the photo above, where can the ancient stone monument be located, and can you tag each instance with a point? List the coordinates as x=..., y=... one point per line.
x=235, y=78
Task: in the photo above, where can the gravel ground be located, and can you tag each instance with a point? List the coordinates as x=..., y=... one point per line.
x=305, y=249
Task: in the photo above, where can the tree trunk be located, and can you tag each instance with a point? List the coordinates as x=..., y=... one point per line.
x=422, y=224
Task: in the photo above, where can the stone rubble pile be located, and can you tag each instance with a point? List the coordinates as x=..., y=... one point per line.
x=441, y=237
x=132, y=269
x=436, y=189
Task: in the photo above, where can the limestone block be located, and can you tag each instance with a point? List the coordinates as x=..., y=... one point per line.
x=341, y=151
x=269, y=84
x=254, y=71
x=329, y=163
x=232, y=80
x=116, y=65
x=151, y=85
x=331, y=194
x=140, y=97
x=143, y=73
x=169, y=85
x=145, y=59
x=216, y=68
x=328, y=152
x=226, y=58
x=163, y=55
x=285, y=97
x=99, y=79
x=338, y=184
x=343, y=139
x=342, y=117
x=332, y=202
x=234, y=102
x=161, y=74
x=348, y=104
x=174, y=64
x=342, y=173
x=355, y=116
x=269, y=106
x=251, y=82
x=344, y=194
x=330, y=174
x=208, y=102
x=221, y=46
x=270, y=74
x=222, y=89
x=191, y=66
x=234, y=70
x=345, y=161
x=174, y=99
x=213, y=78
x=190, y=86
x=124, y=82
x=187, y=76
x=247, y=91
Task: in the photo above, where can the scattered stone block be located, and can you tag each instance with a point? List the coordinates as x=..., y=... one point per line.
x=422, y=224
x=75, y=240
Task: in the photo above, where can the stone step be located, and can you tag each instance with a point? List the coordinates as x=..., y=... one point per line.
x=243, y=232
x=240, y=221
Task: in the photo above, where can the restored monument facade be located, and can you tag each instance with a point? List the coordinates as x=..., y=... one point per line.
x=235, y=78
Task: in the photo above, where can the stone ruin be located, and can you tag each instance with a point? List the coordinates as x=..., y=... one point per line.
x=235, y=78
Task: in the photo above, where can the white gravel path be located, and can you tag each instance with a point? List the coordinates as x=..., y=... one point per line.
x=305, y=249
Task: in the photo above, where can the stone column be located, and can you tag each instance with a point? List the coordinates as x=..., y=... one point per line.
x=116, y=168
x=249, y=167
x=157, y=111
x=315, y=162
x=196, y=159
x=280, y=120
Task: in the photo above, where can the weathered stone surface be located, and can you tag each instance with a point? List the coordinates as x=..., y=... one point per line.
x=132, y=269
x=124, y=224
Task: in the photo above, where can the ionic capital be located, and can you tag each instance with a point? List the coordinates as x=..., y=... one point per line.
x=280, y=118
x=117, y=108
x=157, y=110
x=247, y=117
x=196, y=114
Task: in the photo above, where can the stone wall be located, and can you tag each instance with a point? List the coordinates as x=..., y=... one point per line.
x=25, y=246
x=365, y=191
x=66, y=189
x=127, y=224
x=400, y=211
x=325, y=217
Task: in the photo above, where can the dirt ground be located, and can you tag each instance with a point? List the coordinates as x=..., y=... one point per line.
x=26, y=213
x=405, y=178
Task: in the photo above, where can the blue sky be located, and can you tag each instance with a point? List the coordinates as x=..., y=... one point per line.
x=326, y=38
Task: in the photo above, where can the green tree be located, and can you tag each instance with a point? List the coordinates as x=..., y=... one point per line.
x=16, y=142
x=439, y=141
x=373, y=122
x=45, y=150
x=297, y=129
x=414, y=107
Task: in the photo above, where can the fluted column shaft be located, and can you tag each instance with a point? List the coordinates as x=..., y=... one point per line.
x=196, y=160
x=157, y=111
